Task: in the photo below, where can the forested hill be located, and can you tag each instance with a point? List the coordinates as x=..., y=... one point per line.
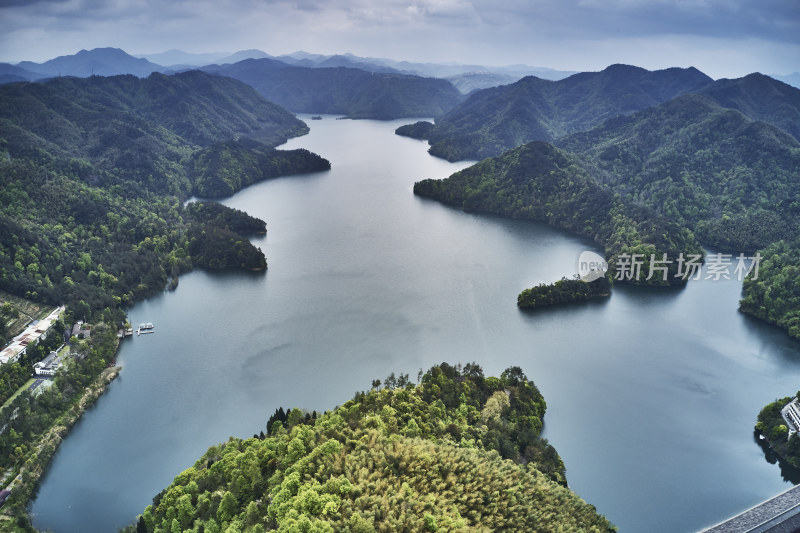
x=351, y=92
x=538, y=181
x=196, y=106
x=734, y=181
x=494, y=120
x=760, y=98
x=94, y=171
x=457, y=452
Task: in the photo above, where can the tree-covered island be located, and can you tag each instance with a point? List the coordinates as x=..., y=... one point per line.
x=457, y=451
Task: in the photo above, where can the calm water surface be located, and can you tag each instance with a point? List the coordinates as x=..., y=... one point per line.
x=652, y=395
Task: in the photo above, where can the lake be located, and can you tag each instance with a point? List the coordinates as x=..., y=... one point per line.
x=652, y=394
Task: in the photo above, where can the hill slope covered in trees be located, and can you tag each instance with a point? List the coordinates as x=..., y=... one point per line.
x=93, y=173
x=775, y=295
x=458, y=452
x=494, y=120
x=734, y=181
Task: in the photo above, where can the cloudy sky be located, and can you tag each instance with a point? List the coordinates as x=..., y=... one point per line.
x=723, y=38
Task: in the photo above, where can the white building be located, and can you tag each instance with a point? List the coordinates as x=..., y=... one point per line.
x=36, y=330
x=791, y=414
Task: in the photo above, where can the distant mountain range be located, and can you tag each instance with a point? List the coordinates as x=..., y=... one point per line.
x=352, y=92
x=99, y=61
x=113, y=61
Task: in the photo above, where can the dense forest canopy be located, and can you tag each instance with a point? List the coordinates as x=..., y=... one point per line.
x=458, y=451
x=734, y=181
x=774, y=295
x=563, y=291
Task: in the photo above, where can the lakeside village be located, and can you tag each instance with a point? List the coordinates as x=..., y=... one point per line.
x=44, y=371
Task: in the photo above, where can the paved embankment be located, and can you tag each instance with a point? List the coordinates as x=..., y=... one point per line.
x=780, y=514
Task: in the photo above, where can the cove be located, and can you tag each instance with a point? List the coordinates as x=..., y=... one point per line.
x=652, y=394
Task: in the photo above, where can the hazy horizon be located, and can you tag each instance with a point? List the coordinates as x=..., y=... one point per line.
x=721, y=38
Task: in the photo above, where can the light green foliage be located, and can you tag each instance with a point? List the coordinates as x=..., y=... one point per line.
x=357, y=468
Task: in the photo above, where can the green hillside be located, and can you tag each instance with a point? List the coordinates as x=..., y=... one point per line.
x=494, y=120
x=457, y=452
x=760, y=98
x=775, y=295
x=93, y=174
x=538, y=181
x=734, y=181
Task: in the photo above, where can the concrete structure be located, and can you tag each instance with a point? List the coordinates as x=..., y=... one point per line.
x=791, y=415
x=48, y=365
x=38, y=329
x=776, y=515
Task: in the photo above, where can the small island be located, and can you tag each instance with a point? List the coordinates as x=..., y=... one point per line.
x=778, y=424
x=563, y=291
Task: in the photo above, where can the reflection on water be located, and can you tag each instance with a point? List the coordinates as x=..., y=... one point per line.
x=789, y=472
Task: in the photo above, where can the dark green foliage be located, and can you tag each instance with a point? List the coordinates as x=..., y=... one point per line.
x=345, y=91
x=540, y=182
x=563, y=291
x=494, y=120
x=224, y=217
x=219, y=248
x=224, y=168
x=775, y=295
x=735, y=181
x=407, y=458
x=418, y=130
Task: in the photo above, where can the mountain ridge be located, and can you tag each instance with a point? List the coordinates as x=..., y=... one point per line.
x=346, y=91
x=531, y=109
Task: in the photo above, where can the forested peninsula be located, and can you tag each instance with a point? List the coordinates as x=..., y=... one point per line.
x=455, y=452
x=538, y=181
